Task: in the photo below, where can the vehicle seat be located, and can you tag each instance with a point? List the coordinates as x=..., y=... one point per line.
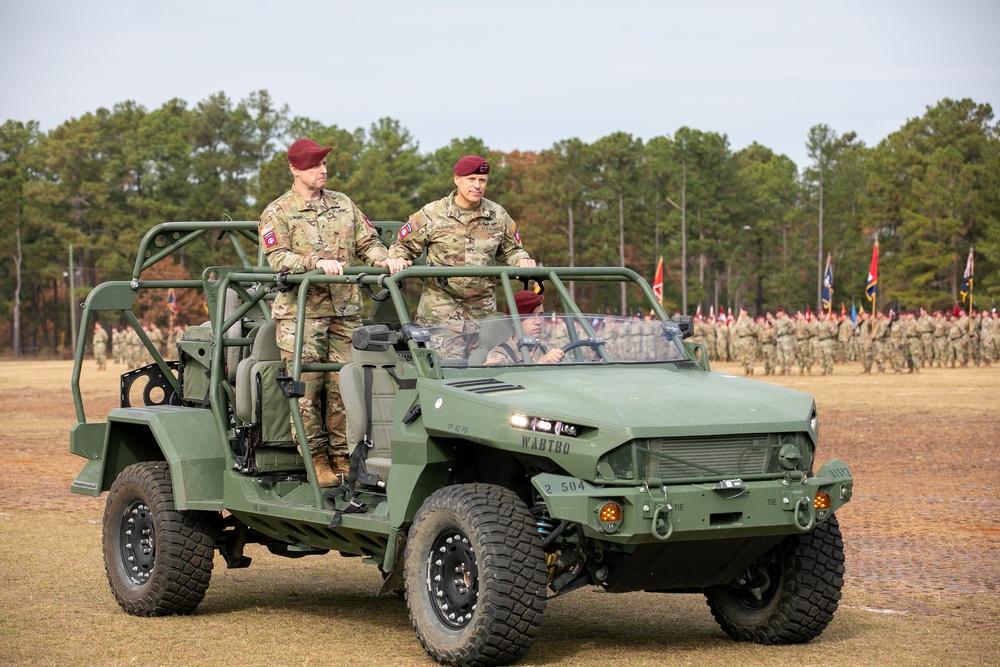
x=259, y=401
x=382, y=366
x=493, y=330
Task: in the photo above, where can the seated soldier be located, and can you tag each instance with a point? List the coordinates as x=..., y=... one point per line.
x=529, y=306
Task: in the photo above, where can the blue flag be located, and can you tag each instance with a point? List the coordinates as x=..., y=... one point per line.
x=854, y=313
x=828, y=284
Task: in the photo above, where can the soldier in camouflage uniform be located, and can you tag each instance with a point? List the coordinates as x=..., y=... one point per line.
x=865, y=344
x=941, y=327
x=987, y=337
x=803, y=344
x=973, y=337
x=311, y=228
x=826, y=335
x=958, y=332
x=912, y=345
x=462, y=229
x=880, y=332
x=767, y=336
x=785, y=330
x=745, y=333
x=116, y=345
x=895, y=342
x=925, y=325
x=845, y=331
x=100, y=343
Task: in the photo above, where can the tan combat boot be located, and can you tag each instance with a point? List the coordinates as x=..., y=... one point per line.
x=341, y=466
x=325, y=474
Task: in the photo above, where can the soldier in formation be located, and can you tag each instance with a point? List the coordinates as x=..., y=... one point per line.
x=904, y=341
x=100, y=344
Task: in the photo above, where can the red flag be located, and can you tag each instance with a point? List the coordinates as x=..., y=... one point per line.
x=658, y=281
x=873, y=274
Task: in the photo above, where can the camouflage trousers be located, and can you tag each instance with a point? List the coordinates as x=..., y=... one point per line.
x=786, y=354
x=866, y=352
x=769, y=355
x=803, y=355
x=326, y=339
x=101, y=357
x=826, y=354
x=914, y=353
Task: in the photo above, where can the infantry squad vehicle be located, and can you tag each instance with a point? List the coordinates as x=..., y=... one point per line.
x=480, y=492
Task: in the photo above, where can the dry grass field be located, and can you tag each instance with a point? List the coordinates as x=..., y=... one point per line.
x=922, y=537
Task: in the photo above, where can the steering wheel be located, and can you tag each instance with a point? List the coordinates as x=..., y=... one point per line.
x=592, y=343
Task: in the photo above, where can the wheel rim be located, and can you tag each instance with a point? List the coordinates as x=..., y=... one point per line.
x=453, y=579
x=136, y=541
x=760, y=587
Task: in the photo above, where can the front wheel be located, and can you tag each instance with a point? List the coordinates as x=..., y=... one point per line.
x=158, y=560
x=790, y=595
x=475, y=576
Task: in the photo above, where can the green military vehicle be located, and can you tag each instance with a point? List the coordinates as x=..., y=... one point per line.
x=479, y=491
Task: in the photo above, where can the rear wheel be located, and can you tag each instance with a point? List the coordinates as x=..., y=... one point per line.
x=158, y=560
x=790, y=595
x=475, y=576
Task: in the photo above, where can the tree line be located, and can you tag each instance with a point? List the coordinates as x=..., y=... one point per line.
x=735, y=227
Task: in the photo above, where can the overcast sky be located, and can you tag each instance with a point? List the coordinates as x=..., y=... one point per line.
x=519, y=75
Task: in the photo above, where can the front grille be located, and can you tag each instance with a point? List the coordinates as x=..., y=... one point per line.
x=704, y=457
x=734, y=455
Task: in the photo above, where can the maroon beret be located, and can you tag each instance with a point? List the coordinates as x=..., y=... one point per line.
x=306, y=153
x=526, y=301
x=471, y=164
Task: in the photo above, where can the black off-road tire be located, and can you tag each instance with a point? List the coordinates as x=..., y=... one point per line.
x=475, y=576
x=158, y=560
x=805, y=574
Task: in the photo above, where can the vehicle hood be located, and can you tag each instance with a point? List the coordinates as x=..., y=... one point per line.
x=643, y=401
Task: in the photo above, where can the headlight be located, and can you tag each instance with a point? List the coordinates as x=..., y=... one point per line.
x=542, y=425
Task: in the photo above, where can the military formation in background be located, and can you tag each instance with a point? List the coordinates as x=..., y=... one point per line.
x=126, y=347
x=900, y=342
x=782, y=343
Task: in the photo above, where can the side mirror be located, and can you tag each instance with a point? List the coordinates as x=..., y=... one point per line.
x=685, y=323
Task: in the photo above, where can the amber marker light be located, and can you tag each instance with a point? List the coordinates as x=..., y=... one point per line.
x=822, y=500
x=610, y=516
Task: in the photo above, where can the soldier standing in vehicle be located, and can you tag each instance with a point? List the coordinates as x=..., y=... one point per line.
x=462, y=229
x=310, y=228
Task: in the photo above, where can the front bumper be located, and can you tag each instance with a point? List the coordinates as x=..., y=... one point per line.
x=698, y=511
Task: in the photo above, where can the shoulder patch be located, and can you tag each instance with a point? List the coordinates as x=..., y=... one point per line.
x=496, y=358
x=365, y=218
x=404, y=231
x=513, y=229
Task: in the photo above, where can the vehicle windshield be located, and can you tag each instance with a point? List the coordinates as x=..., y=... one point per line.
x=584, y=339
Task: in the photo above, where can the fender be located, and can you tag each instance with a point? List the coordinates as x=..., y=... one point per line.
x=186, y=438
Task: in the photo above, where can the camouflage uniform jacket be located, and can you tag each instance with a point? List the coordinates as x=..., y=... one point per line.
x=454, y=236
x=296, y=233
